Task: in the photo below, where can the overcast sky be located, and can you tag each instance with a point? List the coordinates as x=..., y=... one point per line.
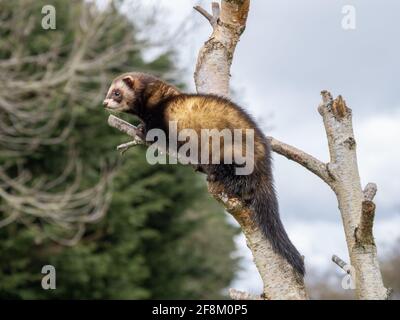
x=290, y=51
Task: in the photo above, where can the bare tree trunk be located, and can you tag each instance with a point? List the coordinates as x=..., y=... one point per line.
x=357, y=211
x=356, y=206
x=212, y=75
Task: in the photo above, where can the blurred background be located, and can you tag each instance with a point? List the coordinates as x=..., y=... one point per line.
x=117, y=228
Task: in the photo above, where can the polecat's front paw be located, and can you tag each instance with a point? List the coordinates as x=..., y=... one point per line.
x=141, y=130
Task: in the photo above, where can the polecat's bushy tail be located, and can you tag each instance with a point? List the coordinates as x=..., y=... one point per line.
x=266, y=215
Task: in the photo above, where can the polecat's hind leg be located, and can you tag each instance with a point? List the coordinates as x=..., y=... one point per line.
x=241, y=186
x=208, y=169
x=234, y=185
x=223, y=174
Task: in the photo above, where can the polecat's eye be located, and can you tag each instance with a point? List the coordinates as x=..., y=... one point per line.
x=117, y=93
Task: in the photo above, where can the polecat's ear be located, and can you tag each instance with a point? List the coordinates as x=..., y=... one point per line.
x=129, y=81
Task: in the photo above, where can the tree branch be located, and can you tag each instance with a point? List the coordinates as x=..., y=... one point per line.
x=204, y=13
x=125, y=127
x=340, y=263
x=212, y=18
x=370, y=191
x=355, y=205
x=309, y=162
x=215, y=57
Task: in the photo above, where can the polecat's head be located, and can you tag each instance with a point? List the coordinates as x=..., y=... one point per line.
x=125, y=93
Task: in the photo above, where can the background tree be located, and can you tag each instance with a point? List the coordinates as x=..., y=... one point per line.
x=151, y=239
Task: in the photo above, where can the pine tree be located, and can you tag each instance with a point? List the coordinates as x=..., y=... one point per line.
x=162, y=236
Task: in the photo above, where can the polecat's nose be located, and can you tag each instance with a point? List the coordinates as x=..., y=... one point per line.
x=105, y=103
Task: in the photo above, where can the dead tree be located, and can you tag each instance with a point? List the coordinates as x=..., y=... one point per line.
x=280, y=281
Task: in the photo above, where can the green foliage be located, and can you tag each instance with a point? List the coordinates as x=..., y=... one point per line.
x=162, y=236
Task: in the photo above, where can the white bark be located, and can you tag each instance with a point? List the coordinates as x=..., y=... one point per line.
x=212, y=73
x=357, y=209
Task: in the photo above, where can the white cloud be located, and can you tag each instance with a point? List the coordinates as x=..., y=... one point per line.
x=378, y=138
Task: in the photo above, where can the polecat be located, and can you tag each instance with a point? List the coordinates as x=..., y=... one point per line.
x=156, y=103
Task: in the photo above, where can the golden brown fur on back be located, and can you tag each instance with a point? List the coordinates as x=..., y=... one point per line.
x=199, y=112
